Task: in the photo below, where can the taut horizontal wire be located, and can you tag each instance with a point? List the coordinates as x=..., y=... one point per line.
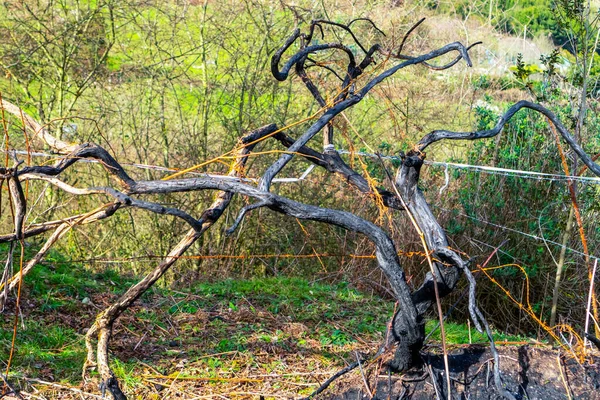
x=523, y=174
x=166, y=169
x=529, y=235
x=492, y=170
x=481, y=168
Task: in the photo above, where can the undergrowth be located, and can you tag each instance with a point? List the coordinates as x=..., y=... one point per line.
x=211, y=331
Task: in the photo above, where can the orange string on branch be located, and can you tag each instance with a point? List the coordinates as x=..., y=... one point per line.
x=234, y=150
x=573, y=194
x=329, y=104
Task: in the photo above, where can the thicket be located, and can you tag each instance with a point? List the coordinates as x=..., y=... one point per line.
x=536, y=215
x=178, y=85
x=174, y=85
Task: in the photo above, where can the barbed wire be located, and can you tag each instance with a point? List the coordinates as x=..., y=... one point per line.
x=487, y=169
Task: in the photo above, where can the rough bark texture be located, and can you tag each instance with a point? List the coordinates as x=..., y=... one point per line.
x=407, y=354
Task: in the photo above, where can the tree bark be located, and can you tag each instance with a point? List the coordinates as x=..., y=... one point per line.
x=560, y=265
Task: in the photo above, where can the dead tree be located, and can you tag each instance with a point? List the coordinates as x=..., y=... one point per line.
x=404, y=194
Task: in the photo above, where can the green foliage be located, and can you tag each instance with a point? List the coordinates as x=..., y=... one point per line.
x=546, y=88
x=486, y=118
x=460, y=334
x=523, y=71
x=524, y=205
x=335, y=338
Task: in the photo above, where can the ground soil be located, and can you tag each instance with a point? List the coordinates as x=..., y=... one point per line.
x=529, y=372
x=166, y=355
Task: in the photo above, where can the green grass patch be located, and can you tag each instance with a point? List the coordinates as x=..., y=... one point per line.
x=287, y=316
x=296, y=297
x=44, y=348
x=459, y=334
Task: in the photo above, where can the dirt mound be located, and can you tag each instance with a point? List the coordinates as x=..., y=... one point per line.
x=527, y=372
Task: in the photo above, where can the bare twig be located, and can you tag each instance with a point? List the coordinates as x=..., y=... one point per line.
x=589, y=303
x=329, y=381
x=63, y=387
x=10, y=387
x=362, y=374
x=563, y=378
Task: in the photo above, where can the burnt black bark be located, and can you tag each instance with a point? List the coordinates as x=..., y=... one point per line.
x=446, y=276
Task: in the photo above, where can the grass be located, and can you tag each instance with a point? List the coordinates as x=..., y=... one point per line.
x=293, y=297
x=54, y=351
x=460, y=333
x=210, y=333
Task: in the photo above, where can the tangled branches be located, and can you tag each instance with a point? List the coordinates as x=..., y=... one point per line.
x=127, y=192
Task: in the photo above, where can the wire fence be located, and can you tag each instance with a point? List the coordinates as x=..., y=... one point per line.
x=516, y=173
x=459, y=166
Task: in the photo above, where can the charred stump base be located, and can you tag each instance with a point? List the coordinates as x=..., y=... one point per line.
x=407, y=354
x=408, y=330
x=528, y=372
x=112, y=385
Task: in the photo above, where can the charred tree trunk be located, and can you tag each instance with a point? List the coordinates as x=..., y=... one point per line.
x=446, y=276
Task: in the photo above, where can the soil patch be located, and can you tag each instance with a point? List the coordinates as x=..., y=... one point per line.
x=528, y=372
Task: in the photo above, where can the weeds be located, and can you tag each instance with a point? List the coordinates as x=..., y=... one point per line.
x=211, y=330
